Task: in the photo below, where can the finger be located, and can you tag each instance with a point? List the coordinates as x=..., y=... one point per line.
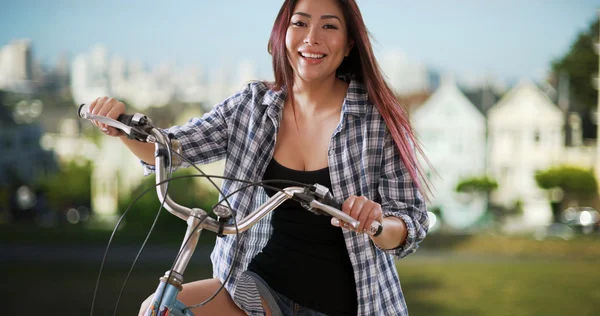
x=107, y=107
x=114, y=114
x=116, y=110
x=336, y=222
x=364, y=215
x=357, y=207
x=373, y=215
x=99, y=106
x=111, y=131
x=348, y=204
x=91, y=108
x=339, y=223
x=93, y=105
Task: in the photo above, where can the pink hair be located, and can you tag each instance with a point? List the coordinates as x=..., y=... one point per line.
x=361, y=63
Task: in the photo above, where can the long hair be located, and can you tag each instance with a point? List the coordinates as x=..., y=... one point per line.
x=361, y=64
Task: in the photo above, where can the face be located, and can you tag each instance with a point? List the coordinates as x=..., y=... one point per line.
x=316, y=39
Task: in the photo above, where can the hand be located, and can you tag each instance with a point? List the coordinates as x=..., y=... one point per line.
x=110, y=108
x=361, y=209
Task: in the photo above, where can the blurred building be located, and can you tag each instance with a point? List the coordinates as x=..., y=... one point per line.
x=405, y=76
x=452, y=132
x=23, y=161
x=525, y=135
x=16, y=66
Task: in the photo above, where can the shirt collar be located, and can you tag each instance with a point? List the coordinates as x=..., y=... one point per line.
x=357, y=99
x=355, y=102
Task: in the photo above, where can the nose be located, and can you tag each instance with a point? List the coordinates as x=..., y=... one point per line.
x=312, y=37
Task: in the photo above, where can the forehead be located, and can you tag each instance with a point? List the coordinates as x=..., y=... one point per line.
x=319, y=7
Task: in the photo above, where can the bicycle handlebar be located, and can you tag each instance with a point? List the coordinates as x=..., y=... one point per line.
x=138, y=126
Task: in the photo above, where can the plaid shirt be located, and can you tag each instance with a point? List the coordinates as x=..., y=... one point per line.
x=363, y=160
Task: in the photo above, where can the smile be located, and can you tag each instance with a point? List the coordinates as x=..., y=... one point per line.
x=311, y=55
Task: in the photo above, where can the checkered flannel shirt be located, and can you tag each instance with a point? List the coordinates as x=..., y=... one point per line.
x=363, y=160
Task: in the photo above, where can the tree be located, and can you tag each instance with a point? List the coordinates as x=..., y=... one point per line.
x=69, y=187
x=577, y=185
x=580, y=63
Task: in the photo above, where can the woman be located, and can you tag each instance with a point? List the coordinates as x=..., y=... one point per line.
x=329, y=118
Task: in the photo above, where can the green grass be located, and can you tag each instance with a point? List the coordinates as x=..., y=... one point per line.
x=431, y=287
x=450, y=275
x=501, y=288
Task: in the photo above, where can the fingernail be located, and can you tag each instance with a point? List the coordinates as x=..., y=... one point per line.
x=335, y=221
x=346, y=225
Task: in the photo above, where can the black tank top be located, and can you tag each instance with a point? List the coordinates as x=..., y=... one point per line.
x=306, y=259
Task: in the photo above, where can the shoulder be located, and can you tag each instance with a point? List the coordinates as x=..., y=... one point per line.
x=253, y=94
x=359, y=102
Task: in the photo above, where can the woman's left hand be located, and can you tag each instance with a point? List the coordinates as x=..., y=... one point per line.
x=361, y=209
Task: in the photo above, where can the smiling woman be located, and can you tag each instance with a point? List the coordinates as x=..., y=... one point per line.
x=328, y=118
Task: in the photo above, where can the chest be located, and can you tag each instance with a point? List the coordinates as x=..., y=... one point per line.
x=302, y=142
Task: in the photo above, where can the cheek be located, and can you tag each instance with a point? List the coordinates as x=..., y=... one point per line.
x=339, y=45
x=289, y=41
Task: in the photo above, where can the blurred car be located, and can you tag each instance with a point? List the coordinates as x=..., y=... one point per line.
x=584, y=219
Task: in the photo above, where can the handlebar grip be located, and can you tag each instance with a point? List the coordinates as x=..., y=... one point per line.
x=123, y=118
x=83, y=108
x=376, y=227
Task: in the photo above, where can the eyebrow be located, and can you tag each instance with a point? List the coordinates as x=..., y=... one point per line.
x=326, y=16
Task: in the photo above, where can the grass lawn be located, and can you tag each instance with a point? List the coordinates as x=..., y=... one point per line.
x=431, y=287
x=450, y=275
x=505, y=287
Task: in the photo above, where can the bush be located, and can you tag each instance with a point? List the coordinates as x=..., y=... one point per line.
x=477, y=184
x=572, y=180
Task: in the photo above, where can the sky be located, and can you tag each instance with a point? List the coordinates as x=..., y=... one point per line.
x=508, y=39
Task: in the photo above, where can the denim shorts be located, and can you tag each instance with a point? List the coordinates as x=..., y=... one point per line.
x=277, y=303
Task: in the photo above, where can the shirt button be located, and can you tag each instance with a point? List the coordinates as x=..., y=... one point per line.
x=331, y=152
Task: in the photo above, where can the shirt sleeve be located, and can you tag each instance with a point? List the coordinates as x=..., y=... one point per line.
x=204, y=140
x=401, y=198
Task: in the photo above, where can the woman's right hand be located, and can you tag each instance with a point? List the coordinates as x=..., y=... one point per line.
x=108, y=107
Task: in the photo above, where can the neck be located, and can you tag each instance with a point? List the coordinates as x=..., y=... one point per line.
x=310, y=97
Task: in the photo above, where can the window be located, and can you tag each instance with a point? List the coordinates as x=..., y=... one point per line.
x=537, y=136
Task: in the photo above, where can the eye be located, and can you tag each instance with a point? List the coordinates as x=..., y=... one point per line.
x=330, y=26
x=298, y=23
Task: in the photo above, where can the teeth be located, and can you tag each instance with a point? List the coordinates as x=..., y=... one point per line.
x=309, y=55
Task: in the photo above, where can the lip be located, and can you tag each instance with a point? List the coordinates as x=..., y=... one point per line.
x=311, y=61
x=308, y=51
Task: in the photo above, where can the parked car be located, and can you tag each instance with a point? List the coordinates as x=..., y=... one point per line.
x=584, y=219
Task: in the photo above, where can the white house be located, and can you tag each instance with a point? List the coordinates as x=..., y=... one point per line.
x=525, y=134
x=452, y=132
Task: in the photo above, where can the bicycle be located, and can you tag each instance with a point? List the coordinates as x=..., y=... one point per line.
x=314, y=197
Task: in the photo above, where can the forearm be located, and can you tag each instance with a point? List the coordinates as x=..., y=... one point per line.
x=394, y=233
x=144, y=151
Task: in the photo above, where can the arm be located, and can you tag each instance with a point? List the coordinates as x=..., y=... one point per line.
x=402, y=204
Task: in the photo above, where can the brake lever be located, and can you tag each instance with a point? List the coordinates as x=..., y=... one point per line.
x=132, y=132
x=108, y=121
x=308, y=201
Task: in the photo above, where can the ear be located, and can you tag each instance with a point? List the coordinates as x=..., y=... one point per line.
x=349, y=47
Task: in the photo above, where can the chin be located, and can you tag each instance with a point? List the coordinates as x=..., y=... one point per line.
x=311, y=76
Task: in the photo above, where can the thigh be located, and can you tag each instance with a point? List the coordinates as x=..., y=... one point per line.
x=199, y=291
